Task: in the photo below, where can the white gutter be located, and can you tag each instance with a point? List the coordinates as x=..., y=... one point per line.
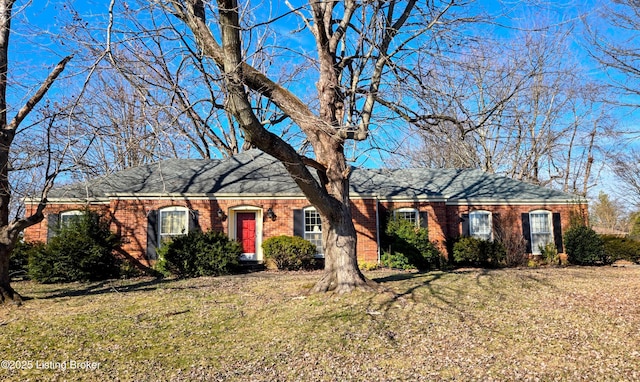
x=378, y=230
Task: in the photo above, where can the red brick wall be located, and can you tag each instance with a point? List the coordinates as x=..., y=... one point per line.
x=444, y=220
x=364, y=212
x=129, y=219
x=511, y=216
x=38, y=232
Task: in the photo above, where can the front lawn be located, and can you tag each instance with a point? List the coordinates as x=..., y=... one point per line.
x=576, y=323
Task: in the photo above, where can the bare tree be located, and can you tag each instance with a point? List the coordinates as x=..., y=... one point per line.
x=127, y=131
x=10, y=229
x=627, y=168
x=613, y=34
x=356, y=44
x=614, y=44
x=178, y=94
x=517, y=107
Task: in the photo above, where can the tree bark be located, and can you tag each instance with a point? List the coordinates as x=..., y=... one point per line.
x=341, y=272
x=7, y=293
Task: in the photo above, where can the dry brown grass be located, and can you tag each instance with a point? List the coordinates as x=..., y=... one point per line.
x=530, y=324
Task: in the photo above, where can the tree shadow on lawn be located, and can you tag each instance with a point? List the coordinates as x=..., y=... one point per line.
x=105, y=287
x=452, y=297
x=429, y=278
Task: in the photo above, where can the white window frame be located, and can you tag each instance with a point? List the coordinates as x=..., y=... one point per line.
x=313, y=231
x=69, y=216
x=540, y=236
x=476, y=230
x=165, y=236
x=401, y=213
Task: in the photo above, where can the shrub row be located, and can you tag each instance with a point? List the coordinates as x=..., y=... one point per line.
x=84, y=249
x=621, y=248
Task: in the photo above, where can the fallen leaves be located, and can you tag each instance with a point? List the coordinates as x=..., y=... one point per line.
x=541, y=324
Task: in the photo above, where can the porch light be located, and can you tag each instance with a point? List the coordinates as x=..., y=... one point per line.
x=271, y=215
x=221, y=215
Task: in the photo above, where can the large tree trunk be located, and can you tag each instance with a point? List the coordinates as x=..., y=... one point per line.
x=341, y=272
x=7, y=294
x=6, y=241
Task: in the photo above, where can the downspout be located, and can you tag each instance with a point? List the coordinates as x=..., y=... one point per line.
x=378, y=227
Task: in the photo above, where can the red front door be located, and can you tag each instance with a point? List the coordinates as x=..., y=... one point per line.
x=246, y=231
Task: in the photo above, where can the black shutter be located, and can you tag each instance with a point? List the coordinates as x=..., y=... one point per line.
x=53, y=223
x=464, y=219
x=298, y=223
x=557, y=232
x=497, y=226
x=152, y=235
x=424, y=219
x=526, y=231
x=194, y=220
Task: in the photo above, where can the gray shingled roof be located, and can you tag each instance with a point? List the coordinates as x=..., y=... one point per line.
x=255, y=173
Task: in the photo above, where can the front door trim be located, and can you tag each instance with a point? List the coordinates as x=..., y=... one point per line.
x=233, y=234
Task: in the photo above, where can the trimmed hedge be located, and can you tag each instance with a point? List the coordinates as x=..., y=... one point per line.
x=290, y=253
x=200, y=253
x=584, y=246
x=478, y=252
x=621, y=248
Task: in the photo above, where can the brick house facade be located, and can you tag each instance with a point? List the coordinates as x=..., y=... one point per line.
x=251, y=198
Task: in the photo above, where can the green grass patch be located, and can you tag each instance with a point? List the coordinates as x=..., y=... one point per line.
x=557, y=323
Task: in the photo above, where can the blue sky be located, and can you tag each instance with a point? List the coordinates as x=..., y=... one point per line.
x=34, y=52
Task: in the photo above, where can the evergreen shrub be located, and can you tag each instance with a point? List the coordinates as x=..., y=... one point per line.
x=584, y=246
x=19, y=260
x=478, y=252
x=83, y=250
x=621, y=248
x=409, y=246
x=200, y=253
x=290, y=253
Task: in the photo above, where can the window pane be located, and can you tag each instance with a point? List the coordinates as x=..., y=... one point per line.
x=540, y=223
x=67, y=218
x=408, y=215
x=540, y=230
x=313, y=228
x=480, y=225
x=173, y=222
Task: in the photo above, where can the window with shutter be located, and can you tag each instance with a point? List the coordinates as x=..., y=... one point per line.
x=541, y=230
x=481, y=225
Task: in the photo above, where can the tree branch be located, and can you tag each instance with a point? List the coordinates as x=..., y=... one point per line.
x=33, y=101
